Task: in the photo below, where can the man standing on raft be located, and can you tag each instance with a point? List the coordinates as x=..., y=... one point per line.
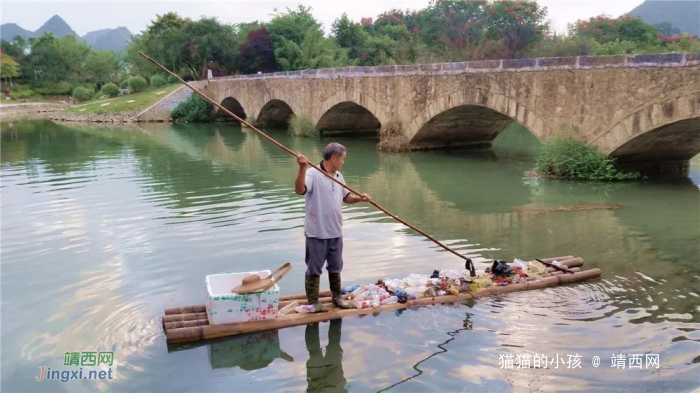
x=323, y=222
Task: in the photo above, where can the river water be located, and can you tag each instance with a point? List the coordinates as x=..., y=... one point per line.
x=105, y=227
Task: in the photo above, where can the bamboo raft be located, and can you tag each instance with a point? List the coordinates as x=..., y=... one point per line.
x=189, y=324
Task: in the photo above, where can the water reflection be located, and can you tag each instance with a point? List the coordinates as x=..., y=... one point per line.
x=324, y=371
x=104, y=227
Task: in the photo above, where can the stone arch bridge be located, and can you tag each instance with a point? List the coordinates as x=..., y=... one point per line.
x=643, y=110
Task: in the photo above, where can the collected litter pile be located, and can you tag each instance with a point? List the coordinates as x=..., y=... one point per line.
x=440, y=283
x=268, y=310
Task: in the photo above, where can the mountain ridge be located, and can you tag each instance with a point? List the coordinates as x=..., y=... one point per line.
x=115, y=39
x=683, y=15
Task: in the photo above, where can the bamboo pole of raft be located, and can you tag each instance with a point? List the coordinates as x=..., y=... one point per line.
x=196, y=333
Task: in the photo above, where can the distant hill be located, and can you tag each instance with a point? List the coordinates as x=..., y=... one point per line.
x=110, y=39
x=57, y=26
x=8, y=31
x=681, y=14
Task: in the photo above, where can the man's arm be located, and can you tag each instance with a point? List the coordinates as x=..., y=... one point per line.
x=300, y=182
x=352, y=198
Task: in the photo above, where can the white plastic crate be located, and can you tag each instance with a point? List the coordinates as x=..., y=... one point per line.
x=226, y=307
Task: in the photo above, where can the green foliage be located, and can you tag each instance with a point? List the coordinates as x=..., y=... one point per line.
x=158, y=80
x=137, y=83
x=183, y=44
x=603, y=29
x=301, y=125
x=350, y=35
x=110, y=89
x=561, y=46
x=573, y=159
x=14, y=48
x=54, y=89
x=193, y=110
x=55, y=59
x=82, y=94
x=124, y=84
x=8, y=67
x=315, y=51
x=22, y=93
x=101, y=66
x=292, y=25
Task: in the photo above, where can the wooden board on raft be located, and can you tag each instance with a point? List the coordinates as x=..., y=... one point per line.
x=189, y=324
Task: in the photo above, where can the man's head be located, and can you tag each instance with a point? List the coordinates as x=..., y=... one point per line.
x=334, y=157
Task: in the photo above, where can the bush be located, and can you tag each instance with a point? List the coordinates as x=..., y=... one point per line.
x=82, y=94
x=110, y=89
x=22, y=93
x=60, y=88
x=300, y=125
x=158, y=80
x=124, y=84
x=193, y=110
x=171, y=79
x=573, y=159
x=137, y=83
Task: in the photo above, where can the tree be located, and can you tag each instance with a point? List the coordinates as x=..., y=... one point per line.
x=518, y=23
x=350, y=36
x=315, y=51
x=634, y=29
x=206, y=43
x=667, y=29
x=55, y=59
x=257, y=53
x=457, y=27
x=15, y=48
x=292, y=25
x=161, y=40
x=101, y=66
x=8, y=68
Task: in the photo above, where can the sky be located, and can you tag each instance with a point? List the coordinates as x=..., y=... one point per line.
x=86, y=16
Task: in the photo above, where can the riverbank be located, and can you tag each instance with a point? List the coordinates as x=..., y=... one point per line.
x=29, y=108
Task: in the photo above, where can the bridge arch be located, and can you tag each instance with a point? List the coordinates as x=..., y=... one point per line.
x=469, y=117
x=348, y=117
x=275, y=114
x=233, y=105
x=350, y=113
x=665, y=131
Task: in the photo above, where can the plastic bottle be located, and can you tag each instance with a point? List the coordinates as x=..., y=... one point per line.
x=306, y=308
x=288, y=308
x=390, y=300
x=362, y=303
x=375, y=301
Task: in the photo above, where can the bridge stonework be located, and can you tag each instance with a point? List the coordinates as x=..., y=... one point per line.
x=643, y=108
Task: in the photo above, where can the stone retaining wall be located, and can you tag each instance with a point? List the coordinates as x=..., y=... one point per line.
x=160, y=111
x=122, y=117
x=504, y=65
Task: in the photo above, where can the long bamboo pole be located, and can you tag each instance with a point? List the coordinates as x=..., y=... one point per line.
x=469, y=263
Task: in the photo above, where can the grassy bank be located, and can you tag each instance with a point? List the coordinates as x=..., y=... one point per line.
x=129, y=102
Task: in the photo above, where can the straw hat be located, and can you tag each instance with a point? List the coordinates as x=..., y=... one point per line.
x=254, y=283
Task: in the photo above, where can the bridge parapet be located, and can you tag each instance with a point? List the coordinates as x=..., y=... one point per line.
x=480, y=66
